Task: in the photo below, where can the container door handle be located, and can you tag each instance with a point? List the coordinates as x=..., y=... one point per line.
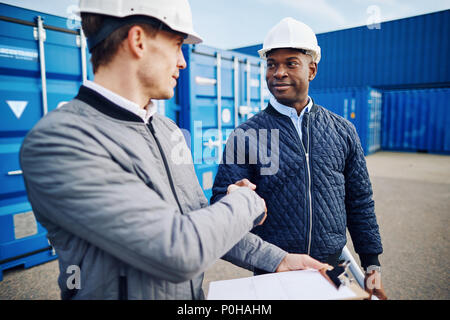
x=15, y=173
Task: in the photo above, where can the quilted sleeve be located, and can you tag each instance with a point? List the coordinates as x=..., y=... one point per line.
x=361, y=220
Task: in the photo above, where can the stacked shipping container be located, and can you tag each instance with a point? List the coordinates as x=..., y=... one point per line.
x=42, y=64
x=404, y=55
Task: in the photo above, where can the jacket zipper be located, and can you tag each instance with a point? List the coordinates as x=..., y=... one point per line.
x=307, y=155
x=166, y=164
x=172, y=185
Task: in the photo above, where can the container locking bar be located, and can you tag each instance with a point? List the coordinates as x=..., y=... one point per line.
x=41, y=39
x=248, y=82
x=83, y=55
x=219, y=105
x=261, y=84
x=236, y=91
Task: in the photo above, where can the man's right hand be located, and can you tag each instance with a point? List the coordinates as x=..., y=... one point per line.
x=240, y=183
x=247, y=183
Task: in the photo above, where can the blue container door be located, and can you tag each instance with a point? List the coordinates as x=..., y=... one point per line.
x=374, y=121
x=416, y=120
x=361, y=106
x=219, y=90
x=34, y=80
x=20, y=100
x=42, y=65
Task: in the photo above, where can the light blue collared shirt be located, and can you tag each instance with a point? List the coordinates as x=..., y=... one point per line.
x=292, y=113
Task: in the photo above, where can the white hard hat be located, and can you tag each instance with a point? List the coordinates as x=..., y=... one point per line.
x=175, y=14
x=290, y=33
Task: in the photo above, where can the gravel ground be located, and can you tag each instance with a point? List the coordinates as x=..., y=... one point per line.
x=412, y=199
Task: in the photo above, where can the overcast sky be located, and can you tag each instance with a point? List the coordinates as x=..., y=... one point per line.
x=235, y=23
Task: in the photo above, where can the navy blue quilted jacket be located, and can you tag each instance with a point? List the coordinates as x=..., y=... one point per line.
x=309, y=204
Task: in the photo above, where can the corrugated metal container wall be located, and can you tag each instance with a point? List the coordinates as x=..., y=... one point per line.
x=217, y=91
x=416, y=120
x=410, y=52
x=250, y=50
x=361, y=106
x=42, y=64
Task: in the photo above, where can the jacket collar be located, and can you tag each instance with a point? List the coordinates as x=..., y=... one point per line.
x=272, y=111
x=105, y=106
x=288, y=111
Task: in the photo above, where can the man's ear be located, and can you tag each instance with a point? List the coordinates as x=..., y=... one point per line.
x=312, y=70
x=136, y=41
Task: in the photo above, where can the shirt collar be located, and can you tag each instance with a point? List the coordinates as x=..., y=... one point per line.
x=144, y=114
x=289, y=111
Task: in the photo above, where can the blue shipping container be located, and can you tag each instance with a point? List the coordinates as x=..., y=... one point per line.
x=218, y=91
x=410, y=52
x=416, y=120
x=42, y=64
x=361, y=106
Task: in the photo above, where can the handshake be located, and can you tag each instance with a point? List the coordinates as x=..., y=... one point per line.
x=292, y=261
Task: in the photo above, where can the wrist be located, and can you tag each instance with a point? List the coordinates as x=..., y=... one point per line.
x=373, y=268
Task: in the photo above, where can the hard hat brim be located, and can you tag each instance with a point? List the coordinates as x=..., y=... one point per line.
x=193, y=38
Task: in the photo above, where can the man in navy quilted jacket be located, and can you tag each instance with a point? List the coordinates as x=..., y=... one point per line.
x=305, y=161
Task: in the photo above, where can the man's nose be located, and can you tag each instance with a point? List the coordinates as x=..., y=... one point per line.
x=280, y=72
x=181, y=63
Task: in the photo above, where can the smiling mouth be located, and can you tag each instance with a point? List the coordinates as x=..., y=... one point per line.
x=282, y=86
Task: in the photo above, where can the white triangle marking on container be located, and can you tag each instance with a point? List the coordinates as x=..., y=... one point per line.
x=17, y=107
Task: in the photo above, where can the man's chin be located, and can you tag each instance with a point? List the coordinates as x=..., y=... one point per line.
x=166, y=95
x=284, y=100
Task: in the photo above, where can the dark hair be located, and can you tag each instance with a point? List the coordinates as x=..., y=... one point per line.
x=103, y=53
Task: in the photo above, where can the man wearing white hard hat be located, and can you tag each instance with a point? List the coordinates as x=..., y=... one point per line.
x=126, y=220
x=321, y=185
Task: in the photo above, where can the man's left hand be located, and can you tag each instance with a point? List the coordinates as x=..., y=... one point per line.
x=294, y=261
x=374, y=286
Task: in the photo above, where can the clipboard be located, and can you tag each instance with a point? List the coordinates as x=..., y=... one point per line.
x=291, y=285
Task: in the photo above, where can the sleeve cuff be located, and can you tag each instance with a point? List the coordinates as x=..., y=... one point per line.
x=369, y=260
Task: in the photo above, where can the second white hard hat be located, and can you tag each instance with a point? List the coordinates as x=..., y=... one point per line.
x=176, y=14
x=290, y=33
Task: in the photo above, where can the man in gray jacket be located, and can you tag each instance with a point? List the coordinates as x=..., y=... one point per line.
x=126, y=220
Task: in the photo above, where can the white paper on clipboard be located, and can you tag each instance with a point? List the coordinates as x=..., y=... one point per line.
x=292, y=285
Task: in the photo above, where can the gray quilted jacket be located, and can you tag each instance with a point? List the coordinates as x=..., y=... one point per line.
x=120, y=201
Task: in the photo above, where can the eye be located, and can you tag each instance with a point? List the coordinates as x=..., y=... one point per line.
x=179, y=42
x=270, y=65
x=292, y=64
